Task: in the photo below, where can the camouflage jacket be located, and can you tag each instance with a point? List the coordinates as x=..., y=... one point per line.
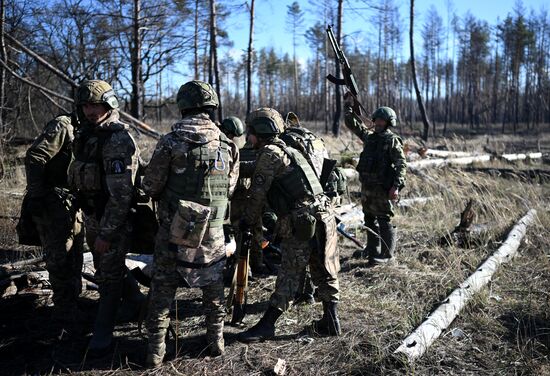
x=104, y=172
x=170, y=155
x=47, y=160
x=392, y=149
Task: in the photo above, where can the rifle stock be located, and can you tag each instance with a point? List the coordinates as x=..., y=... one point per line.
x=240, y=280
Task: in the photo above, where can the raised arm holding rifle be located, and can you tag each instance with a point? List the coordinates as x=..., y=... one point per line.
x=381, y=166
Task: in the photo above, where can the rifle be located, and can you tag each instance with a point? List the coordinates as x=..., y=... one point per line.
x=348, y=80
x=239, y=286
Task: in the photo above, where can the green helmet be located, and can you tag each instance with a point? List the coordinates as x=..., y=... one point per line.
x=196, y=94
x=232, y=125
x=265, y=122
x=387, y=114
x=96, y=91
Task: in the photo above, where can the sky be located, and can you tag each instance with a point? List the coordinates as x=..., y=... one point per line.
x=271, y=29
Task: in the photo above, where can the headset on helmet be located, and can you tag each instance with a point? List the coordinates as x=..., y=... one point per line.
x=387, y=114
x=96, y=91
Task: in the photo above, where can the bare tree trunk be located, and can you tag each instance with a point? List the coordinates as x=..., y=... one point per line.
x=196, y=41
x=136, y=106
x=415, y=80
x=214, y=54
x=2, y=70
x=249, y=61
x=337, y=114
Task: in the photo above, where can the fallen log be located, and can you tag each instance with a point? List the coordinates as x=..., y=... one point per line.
x=521, y=156
x=416, y=344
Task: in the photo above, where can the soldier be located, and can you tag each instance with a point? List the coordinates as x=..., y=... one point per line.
x=232, y=127
x=192, y=173
x=103, y=173
x=57, y=219
x=285, y=180
x=382, y=169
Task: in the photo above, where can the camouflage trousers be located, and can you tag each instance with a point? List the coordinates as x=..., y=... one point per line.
x=375, y=202
x=62, y=237
x=297, y=255
x=164, y=284
x=110, y=266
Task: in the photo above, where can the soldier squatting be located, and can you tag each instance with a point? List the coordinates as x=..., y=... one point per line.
x=83, y=172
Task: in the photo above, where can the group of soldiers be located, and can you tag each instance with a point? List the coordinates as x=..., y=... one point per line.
x=84, y=172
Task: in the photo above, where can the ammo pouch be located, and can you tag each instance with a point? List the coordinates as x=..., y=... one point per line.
x=303, y=225
x=189, y=224
x=85, y=176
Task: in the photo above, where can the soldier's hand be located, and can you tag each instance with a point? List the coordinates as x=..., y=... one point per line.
x=101, y=246
x=349, y=100
x=393, y=194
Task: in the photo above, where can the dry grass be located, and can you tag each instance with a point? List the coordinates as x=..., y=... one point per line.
x=506, y=327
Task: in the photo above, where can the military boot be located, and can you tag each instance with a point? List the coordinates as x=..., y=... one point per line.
x=156, y=349
x=329, y=325
x=132, y=300
x=387, y=235
x=372, y=249
x=264, y=329
x=102, y=338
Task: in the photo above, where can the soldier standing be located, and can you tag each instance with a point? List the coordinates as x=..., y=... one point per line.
x=192, y=173
x=382, y=167
x=283, y=178
x=57, y=219
x=104, y=173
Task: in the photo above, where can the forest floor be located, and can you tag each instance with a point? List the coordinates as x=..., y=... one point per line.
x=504, y=330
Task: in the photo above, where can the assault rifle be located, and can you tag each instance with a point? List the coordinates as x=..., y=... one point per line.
x=237, y=294
x=349, y=80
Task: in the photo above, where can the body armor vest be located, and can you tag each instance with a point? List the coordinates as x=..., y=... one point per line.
x=375, y=167
x=205, y=179
x=298, y=184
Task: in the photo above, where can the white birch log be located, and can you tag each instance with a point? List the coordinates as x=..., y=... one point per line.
x=448, y=153
x=416, y=344
x=440, y=162
x=521, y=156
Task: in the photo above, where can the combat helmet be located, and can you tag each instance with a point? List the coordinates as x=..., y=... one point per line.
x=196, y=94
x=232, y=125
x=265, y=122
x=96, y=91
x=387, y=114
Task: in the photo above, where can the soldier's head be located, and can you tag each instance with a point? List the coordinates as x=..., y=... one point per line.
x=383, y=118
x=232, y=127
x=95, y=99
x=292, y=120
x=196, y=97
x=263, y=125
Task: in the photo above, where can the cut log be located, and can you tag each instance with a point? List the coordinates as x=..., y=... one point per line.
x=416, y=344
x=521, y=156
x=448, y=153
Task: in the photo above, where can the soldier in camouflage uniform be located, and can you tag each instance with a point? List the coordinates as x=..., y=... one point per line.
x=382, y=167
x=283, y=178
x=58, y=222
x=194, y=169
x=103, y=174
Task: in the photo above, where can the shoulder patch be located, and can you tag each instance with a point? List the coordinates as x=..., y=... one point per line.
x=117, y=166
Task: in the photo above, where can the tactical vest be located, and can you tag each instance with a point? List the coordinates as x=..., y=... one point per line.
x=296, y=185
x=375, y=166
x=205, y=179
x=311, y=147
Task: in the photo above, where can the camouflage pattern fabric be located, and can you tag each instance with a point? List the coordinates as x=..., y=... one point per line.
x=104, y=173
x=374, y=198
x=297, y=254
x=171, y=155
x=58, y=222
